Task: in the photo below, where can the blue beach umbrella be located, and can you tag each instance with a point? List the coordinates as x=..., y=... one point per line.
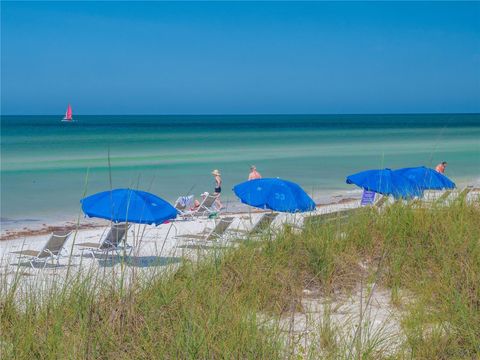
x=386, y=182
x=122, y=205
x=274, y=194
x=426, y=178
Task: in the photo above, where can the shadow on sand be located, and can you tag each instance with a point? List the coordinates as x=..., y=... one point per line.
x=201, y=247
x=138, y=261
x=40, y=265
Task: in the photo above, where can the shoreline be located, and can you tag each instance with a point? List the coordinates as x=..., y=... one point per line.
x=11, y=228
x=35, y=221
x=44, y=221
x=24, y=228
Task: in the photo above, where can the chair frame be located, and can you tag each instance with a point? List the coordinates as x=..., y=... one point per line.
x=260, y=225
x=54, y=255
x=211, y=234
x=183, y=211
x=203, y=209
x=95, y=248
x=341, y=215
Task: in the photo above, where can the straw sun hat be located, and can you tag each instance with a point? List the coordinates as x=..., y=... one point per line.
x=216, y=172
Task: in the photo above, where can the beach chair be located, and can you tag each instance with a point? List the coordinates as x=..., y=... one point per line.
x=262, y=224
x=443, y=198
x=114, y=241
x=206, y=207
x=428, y=196
x=52, y=250
x=380, y=202
x=462, y=196
x=321, y=219
x=339, y=216
x=207, y=234
x=475, y=194
x=183, y=204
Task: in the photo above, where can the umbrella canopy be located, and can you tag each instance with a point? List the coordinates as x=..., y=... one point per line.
x=122, y=205
x=385, y=182
x=426, y=178
x=274, y=194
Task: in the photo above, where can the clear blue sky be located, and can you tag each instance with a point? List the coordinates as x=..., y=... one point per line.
x=234, y=57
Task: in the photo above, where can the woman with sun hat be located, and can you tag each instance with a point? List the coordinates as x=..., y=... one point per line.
x=218, y=187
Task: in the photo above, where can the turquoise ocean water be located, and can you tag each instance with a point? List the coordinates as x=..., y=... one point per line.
x=47, y=166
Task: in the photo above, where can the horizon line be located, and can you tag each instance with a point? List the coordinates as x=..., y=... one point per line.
x=256, y=114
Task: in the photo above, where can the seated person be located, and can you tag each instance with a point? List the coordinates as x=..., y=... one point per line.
x=196, y=203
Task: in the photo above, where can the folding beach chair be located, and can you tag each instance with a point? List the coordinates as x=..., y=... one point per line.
x=449, y=196
x=184, y=203
x=114, y=241
x=262, y=224
x=52, y=250
x=380, y=202
x=320, y=219
x=206, y=207
x=211, y=234
x=464, y=193
x=474, y=194
x=443, y=198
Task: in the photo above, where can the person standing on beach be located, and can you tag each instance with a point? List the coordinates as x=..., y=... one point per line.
x=441, y=167
x=218, y=187
x=254, y=174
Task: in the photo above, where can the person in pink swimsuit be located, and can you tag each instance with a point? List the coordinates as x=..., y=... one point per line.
x=254, y=174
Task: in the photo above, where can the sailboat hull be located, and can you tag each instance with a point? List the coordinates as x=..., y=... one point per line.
x=68, y=121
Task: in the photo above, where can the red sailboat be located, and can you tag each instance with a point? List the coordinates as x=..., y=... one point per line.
x=68, y=114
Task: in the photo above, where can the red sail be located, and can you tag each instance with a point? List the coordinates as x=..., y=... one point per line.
x=68, y=114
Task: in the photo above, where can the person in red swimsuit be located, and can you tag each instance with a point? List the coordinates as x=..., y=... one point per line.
x=441, y=167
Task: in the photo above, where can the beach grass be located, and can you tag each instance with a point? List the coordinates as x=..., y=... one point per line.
x=232, y=302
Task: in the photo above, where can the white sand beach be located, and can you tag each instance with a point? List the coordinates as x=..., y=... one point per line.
x=154, y=247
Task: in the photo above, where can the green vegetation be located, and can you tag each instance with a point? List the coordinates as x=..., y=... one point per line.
x=227, y=304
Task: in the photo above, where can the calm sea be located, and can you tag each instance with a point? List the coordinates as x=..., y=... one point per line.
x=47, y=166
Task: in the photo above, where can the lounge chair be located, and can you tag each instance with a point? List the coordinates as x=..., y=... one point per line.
x=184, y=203
x=380, y=202
x=211, y=234
x=475, y=194
x=266, y=219
x=205, y=208
x=52, y=250
x=341, y=215
x=462, y=195
x=320, y=219
x=449, y=196
x=443, y=198
x=114, y=241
